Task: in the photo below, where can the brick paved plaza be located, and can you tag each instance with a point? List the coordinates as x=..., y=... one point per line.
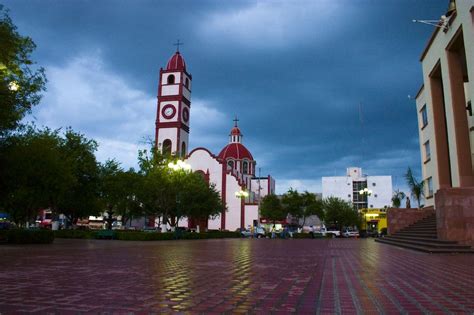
x=238, y=275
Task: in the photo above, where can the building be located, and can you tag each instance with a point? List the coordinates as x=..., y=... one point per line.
x=348, y=188
x=233, y=170
x=446, y=124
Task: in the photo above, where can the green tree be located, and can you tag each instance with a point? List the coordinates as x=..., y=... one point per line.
x=416, y=187
x=81, y=198
x=271, y=208
x=397, y=198
x=34, y=173
x=340, y=213
x=118, y=192
x=20, y=82
x=302, y=206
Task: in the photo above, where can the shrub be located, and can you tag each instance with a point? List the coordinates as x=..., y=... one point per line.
x=22, y=236
x=83, y=234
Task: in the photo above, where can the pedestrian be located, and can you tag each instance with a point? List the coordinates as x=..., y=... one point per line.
x=311, y=231
x=408, y=206
x=273, y=231
x=252, y=231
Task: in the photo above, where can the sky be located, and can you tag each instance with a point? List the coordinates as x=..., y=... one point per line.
x=318, y=86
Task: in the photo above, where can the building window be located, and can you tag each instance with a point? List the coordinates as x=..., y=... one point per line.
x=424, y=117
x=429, y=186
x=230, y=165
x=374, y=184
x=183, y=149
x=427, y=151
x=171, y=79
x=186, y=83
x=246, y=167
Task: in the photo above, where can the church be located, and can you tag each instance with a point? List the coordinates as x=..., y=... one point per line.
x=232, y=170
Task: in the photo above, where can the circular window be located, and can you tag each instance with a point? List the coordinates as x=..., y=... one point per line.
x=168, y=111
x=185, y=114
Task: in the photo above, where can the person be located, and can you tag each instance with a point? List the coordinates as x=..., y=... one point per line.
x=311, y=231
x=252, y=231
x=273, y=231
x=408, y=203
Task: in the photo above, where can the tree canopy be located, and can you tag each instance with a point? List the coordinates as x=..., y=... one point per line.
x=272, y=209
x=21, y=83
x=340, y=213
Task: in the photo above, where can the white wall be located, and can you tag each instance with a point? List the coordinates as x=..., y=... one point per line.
x=381, y=191
x=251, y=213
x=338, y=186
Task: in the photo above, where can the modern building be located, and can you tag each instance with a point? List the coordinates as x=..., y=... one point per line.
x=348, y=188
x=231, y=171
x=444, y=102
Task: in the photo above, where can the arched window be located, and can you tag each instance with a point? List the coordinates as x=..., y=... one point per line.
x=230, y=165
x=186, y=83
x=166, y=147
x=246, y=167
x=183, y=149
x=171, y=79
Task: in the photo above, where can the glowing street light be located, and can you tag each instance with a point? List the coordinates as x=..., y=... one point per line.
x=365, y=191
x=241, y=194
x=179, y=166
x=13, y=86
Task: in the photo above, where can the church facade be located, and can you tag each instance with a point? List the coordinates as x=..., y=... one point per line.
x=232, y=170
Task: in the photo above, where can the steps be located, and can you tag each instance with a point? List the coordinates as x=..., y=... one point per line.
x=422, y=236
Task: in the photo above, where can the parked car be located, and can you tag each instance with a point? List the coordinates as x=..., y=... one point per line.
x=331, y=232
x=259, y=232
x=350, y=233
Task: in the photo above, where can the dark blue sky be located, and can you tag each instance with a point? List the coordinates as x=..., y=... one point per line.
x=318, y=86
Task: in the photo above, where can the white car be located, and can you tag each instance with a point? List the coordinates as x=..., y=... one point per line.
x=331, y=232
x=259, y=232
x=350, y=233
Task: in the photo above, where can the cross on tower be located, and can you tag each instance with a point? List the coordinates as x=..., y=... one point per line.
x=177, y=44
x=235, y=121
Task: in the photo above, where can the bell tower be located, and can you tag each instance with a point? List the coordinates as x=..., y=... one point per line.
x=173, y=108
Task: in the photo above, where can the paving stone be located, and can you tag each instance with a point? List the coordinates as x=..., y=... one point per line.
x=232, y=276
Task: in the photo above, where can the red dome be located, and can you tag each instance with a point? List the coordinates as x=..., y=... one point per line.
x=235, y=131
x=176, y=62
x=236, y=151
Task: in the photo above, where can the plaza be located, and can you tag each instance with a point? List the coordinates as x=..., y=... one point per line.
x=233, y=275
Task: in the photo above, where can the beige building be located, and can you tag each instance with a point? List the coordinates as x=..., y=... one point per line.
x=444, y=102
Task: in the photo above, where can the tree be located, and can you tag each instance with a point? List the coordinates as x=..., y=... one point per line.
x=272, y=209
x=302, y=206
x=20, y=83
x=416, y=187
x=174, y=194
x=340, y=213
x=81, y=198
x=397, y=198
x=118, y=192
x=34, y=174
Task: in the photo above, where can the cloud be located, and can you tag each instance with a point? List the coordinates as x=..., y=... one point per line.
x=274, y=23
x=91, y=98
x=282, y=185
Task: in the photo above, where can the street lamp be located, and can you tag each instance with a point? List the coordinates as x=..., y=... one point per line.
x=13, y=86
x=365, y=192
x=241, y=194
x=179, y=166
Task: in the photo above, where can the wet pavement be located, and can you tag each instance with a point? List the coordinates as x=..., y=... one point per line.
x=231, y=276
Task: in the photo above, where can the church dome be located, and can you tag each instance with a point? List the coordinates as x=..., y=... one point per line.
x=176, y=62
x=235, y=151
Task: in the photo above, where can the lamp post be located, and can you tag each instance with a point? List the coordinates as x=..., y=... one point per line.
x=242, y=194
x=178, y=166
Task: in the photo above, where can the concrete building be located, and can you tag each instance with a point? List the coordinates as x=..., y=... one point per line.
x=444, y=103
x=348, y=187
x=446, y=124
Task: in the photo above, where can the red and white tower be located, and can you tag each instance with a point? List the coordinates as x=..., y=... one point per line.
x=174, y=103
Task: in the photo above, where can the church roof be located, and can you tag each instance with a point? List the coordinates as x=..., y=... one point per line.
x=176, y=62
x=235, y=151
x=235, y=131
